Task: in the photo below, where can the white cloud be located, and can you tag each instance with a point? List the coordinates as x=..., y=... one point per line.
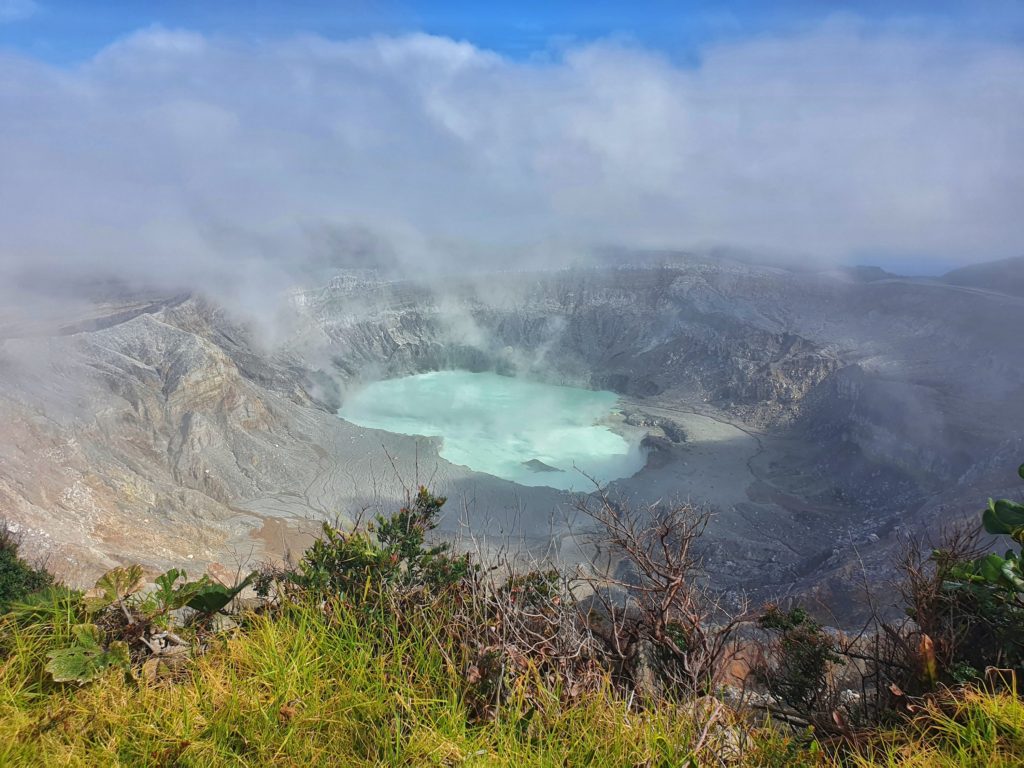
x=15, y=10
x=185, y=157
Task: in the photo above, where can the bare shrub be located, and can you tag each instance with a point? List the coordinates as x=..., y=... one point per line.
x=650, y=604
x=528, y=640
x=843, y=682
x=961, y=632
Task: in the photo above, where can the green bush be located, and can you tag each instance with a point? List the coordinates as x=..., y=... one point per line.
x=18, y=579
x=803, y=657
x=977, y=614
x=391, y=553
x=120, y=624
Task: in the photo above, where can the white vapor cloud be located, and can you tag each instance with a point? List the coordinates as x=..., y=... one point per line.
x=190, y=159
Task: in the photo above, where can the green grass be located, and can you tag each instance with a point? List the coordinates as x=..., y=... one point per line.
x=968, y=728
x=313, y=686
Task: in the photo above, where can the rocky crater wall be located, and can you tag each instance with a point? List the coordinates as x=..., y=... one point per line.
x=823, y=410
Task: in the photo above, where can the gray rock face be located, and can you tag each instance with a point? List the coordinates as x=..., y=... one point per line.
x=817, y=412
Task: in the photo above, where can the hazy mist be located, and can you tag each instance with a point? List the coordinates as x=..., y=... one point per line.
x=180, y=160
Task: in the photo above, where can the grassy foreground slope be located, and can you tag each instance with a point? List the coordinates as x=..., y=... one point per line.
x=312, y=687
x=315, y=687
x=380, y=648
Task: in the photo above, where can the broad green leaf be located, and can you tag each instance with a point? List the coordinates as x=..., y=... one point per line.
x=214, y=597
x=118, y=655
x=211, y=598
x=991, y=567
x=113, y=586
x=184, y=594
x=165, y=583
x=1003, y=516
x=1011, y=573
x=88, y=636
x=87, y=658
x=172, y=597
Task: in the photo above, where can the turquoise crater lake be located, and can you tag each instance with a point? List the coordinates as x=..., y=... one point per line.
x=524, y=431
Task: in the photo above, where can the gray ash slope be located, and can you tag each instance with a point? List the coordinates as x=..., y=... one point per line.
x=822, y=413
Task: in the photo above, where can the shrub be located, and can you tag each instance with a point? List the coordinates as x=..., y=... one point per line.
x=116, y=623
x=18, y=579
x=653, y=609
x=391, y=553
x=802, y=659
x=970, y=603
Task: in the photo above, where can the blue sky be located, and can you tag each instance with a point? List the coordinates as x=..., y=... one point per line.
x=69, y=31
